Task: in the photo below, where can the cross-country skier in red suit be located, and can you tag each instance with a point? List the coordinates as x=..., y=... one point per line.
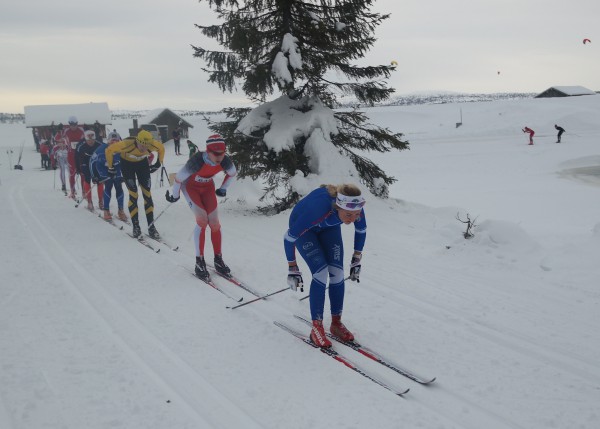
x=73, y=134
x=531, y=134
x=195, y=180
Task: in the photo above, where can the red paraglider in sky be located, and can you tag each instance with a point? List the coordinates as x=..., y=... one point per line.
x=586, y=41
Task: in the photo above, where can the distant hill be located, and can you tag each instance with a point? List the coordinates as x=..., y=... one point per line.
x=401, y=100
x=443, y=98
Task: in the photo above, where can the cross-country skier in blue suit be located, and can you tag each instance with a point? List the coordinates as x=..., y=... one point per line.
x=314, y=229
x=99, y=171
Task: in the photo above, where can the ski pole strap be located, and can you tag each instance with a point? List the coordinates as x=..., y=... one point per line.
x=259, y=298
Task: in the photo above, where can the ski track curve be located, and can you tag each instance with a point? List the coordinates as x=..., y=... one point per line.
x=203, y=402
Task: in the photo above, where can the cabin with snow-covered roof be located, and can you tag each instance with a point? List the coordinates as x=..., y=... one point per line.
x=166, y=122
x=565, y=91
x=45, y=119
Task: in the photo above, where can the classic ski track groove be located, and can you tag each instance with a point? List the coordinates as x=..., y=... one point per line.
x=202, y=401
x=515, y=342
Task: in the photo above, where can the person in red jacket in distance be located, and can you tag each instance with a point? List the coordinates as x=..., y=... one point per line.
x=531, y=134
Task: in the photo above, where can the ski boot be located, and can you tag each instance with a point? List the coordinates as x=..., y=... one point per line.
x=121, y=215
x=90, y=206
x=200, y=269
x=317, y=334
x=153, y=233
x=64, y=189
x=338, y=329
x=220, y=266
x=137, y=231
x=107, y=216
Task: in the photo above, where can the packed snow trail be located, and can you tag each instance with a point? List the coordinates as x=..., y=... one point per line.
x=507, y=321
x=181, y=385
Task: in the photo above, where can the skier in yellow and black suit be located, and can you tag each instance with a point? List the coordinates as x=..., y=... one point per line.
x=134, y=153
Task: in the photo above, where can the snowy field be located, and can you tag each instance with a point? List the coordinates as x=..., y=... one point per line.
x=97, y=331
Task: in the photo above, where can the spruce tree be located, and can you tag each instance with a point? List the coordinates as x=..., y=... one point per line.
x=302, y=51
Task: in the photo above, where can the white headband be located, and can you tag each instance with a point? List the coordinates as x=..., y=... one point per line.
x=349, y=203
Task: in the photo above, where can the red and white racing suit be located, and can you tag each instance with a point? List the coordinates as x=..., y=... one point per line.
x=73, y=135
x=195, y=180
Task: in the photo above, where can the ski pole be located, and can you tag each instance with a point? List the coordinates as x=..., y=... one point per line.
x=258, y=299
x=159, y=215
x=85, y=196
x=327, y=287
x=163, y=172
x=90, y=190
x=21, y=153
x=308, y=296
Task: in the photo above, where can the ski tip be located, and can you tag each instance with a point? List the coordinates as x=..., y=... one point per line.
x=403, y=393
x=176, y=249
x=158, y=251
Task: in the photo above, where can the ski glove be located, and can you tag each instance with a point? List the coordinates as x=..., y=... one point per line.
x=112, y=172
x=154, y=167
x=355, y=268
x=294, y=278
x=171, y=198
x=221, y=192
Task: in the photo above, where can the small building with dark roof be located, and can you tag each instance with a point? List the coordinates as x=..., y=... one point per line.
x=565, y=91
x=166, y=120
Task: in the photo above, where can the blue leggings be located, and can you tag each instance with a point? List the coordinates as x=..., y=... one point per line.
x=324, y=253
x=108, y=185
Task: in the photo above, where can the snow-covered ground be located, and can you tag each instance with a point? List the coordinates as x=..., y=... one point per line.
x=97, y=331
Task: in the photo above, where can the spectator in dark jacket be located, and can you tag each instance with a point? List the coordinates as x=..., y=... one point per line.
x=177, y=140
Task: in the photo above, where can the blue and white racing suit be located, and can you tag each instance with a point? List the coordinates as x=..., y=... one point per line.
x=314, y=229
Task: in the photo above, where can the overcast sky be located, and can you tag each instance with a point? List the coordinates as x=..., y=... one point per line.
x=136, y=54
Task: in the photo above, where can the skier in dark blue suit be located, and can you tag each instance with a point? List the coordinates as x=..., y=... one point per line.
x=314, y=229
x=99, y=171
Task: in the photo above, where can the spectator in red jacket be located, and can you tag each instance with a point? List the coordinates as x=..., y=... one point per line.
x=45, y=153
x=530, y=132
